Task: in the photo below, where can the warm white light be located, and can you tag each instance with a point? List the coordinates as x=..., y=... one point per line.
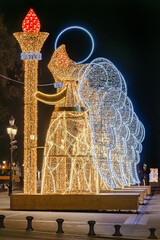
x=32, y=137
x=14, y=131
x=11, y=121
x=9, y=130
x=67, y=165
x=31, y=44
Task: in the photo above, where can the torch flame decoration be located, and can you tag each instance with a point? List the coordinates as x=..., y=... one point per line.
x=31, y=22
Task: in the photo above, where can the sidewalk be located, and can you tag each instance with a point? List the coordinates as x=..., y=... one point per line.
x=14, y=235
x=75, y=224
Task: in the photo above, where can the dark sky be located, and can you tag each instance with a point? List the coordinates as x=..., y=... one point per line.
x=127, y=32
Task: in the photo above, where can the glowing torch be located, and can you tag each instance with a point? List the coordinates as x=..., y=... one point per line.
x=31, y=41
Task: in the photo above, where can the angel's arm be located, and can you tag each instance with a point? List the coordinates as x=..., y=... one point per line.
x=51, y=99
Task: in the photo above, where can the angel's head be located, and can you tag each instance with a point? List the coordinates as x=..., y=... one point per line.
x=62, y=67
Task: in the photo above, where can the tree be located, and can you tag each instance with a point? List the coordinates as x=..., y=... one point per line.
x=10, y=93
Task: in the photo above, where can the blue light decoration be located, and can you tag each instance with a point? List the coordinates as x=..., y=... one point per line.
x=81, y=28
x=58, y=85
x=116, y=132
x=31, y=55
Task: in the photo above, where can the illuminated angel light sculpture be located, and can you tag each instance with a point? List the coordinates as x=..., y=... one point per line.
x=116, y=132
x=67, y=165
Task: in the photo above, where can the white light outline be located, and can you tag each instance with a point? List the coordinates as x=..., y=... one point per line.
x=83, y=29
x=135, y=131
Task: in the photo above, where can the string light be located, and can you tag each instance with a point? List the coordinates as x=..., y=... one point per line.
x=25, y=56
x=80, y=28
x=116, y=131
x=31, y=42
x=93, y=122
x=62, y=60
x=51, y=99
x=31, y=22
x=67, y=165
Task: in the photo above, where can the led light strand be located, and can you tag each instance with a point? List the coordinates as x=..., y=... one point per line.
x=32, y=55
x=81, y=28
x=103, y=90
x=31, y=42
x=67, y=164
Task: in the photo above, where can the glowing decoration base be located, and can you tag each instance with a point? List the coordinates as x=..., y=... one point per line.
x=31, y=42
x=108, y=201
x=148, y=188
x=142, y=192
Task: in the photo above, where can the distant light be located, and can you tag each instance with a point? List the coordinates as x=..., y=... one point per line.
x=153, y=176
x=81, y=28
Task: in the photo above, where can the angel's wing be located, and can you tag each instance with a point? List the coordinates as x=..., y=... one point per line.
x=115, y=128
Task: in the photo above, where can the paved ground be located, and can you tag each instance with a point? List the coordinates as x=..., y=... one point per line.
x=75, y=223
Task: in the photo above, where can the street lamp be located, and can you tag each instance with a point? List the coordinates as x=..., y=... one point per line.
x=4, y=162
x=12, y=131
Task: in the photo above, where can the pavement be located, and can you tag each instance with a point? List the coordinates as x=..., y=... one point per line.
x=133, y=225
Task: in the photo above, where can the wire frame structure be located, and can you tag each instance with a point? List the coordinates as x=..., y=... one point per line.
x=68, y=163
x=116, y=131
x=31, y=42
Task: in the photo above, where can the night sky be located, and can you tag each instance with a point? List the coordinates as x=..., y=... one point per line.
x=127, y=32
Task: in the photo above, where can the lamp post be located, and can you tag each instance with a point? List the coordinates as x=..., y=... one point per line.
x=12, y=131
